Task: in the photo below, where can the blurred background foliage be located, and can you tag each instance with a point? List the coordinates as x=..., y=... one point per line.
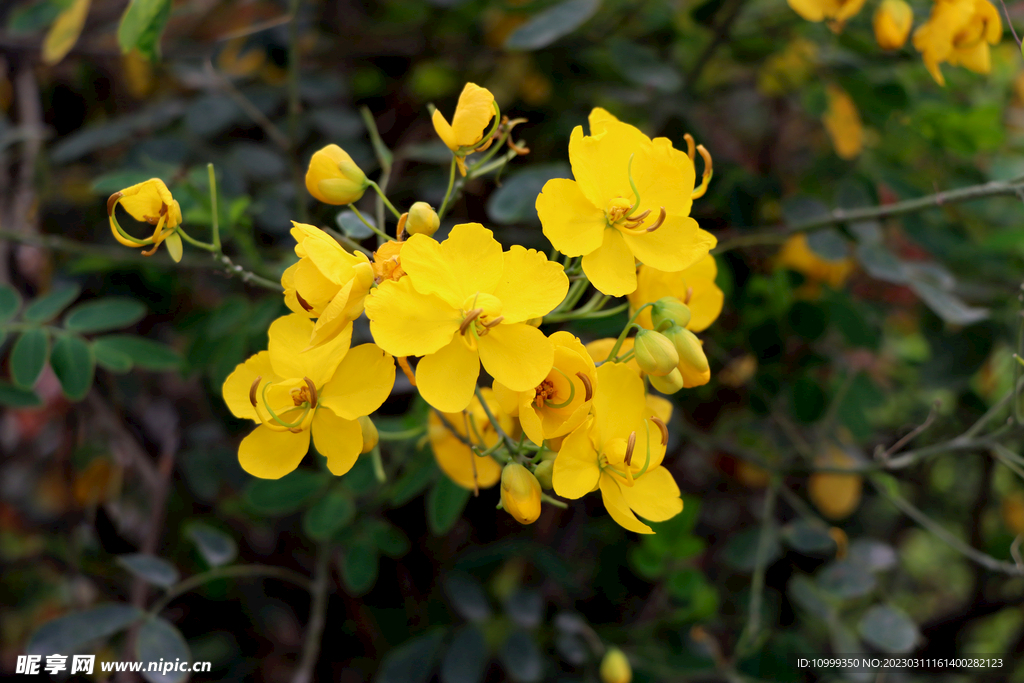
x=120, y=481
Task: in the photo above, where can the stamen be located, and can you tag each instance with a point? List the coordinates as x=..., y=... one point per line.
x=302, y=302
x=252, y=390
x=312, y=391
x=112, y=202
x=470, y=317
x=632, y=185
x=630, y=445
x=400, y=233
x=647, y=462
x=664, y=429
x=494, y=322
x=291, y=426
x=586, y=385
x=689, y=295
x=521, y=150
x=635, y=221
x=403, y=362
x=689, y=146
x=657, y=223
x=572, y=392
x=709, y=170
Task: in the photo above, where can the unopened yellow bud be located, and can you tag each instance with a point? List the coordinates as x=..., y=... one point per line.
x=422, y=220
x=543, y=472
x=670, y=383
x=655, y=353
x=892, y=21
x=520, y=493
x=370, y=435
x=615, y=667
x=693, y=364
x=672, y=310
x=333, y=178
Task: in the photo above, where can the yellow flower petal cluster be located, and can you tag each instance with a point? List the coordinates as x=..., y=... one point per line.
x=834, y=12
x=464, y=302
x=842, y=123
x=294, y=394
x=694, y=286
x=465, y=134
x=451, y=435
x=959, y=32
x=520, y=493
x=797, y=255
x=149, y=202
x=892, y=23
x=600, y=217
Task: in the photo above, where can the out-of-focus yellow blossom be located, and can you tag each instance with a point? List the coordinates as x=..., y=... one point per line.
x=450, y=434
x=598, y=215
x=959, y=32
x=836, y=495
x=64, y=31
x=333, y=178
x=465, y=134
x=789, y=69
x=615, y=667
x=797, y=255
x=328, y=283
x=1012, y=512
x=465, y=302
x=694, y=286
x=422, y=220
x=151, y=202
x=559, y=403
x=370, y=434
x=520, y=493
x=693, y=364
x=842, y=123
x=235, y=60
x=655, y=353
x=138, y=74
x=619, y=451
x=293, y=394
x=387, y=262
x=834, y=12
x=892, y=22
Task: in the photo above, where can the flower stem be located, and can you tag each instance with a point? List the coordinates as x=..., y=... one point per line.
x=380, y=193
x=448, y=193
x=371, y=226
x=213, y=207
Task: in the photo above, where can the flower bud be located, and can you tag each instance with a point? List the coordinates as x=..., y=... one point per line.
x=422, y=220
x=693, y=364
x=892, y=21
x=670, y=309
x=655, y=353
x=370, y=435
x=333, y=178
x=670, y=383
x=615, y=667
x=520, y=493
x=543, y=472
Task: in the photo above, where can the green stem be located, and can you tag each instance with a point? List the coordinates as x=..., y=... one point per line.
x=753, y=627
x=236, y=571
x=378, y=465
x=554, y=501
x=213, y=207
x=403, y=435
x=625, y=331
x=509, y=443
x=196, y=243
x=368, y=224
x=592, y=315
x=448, y=193
x=380, y=193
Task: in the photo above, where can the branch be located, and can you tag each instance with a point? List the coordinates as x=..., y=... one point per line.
x=320, y=594
x=236, y=571
x=753, y=627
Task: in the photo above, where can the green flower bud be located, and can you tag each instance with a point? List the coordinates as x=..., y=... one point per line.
x=422, y=220
x=615, y=667
x=670, y=383
x=655, y=353
x=693, y=364
x=670, y=309
x=543, y=472
x=520, y=493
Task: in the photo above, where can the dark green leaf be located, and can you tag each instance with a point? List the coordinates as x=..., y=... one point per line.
x=10, y=302
x=809, y=538
x=111, y=359
x=72, y=362
x=642, y=66
x=548, y=26
x=881, y=264
x=466, y=658
x=800, y=209
x=515, y=201
x=445, y=503
x=359, y=566
x=137, y=20
x=390, y=540
x=521, y=658
x=948, y=306
x=35, y=16
x=846, y=580
x=281, y=496
x=808, y=596
x=49, y=306
x=741, y=549
x=87, y=140
x=15, y=397
x=29, y=357
x=889, y=629
x=807, y=400
x=416, y=476
x=216, y=547
x=467, y=596
x=329, y=514
x=413, y=660
x=828, y=244
x=101, y=315
x=155, y=570
x=143, y=353
x=525, y=607
x=352, y=226
x=158, y=641
x=871, y=554
x=68, y=633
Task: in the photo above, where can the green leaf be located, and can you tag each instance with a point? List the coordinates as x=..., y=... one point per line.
x=48, y=307
x=889, y=629
x=642, y=65
x=809, y=538
x=72, y=362
x=29, y=357
x=809, y=597
x=445, y=503
x=35, y=16
x=216, y=547
x=521, y=658
x=871, y=554
x=158, y=641
x=467, y=596
x=10, y=302
x=144, y=353
x=13, y=396
x=548, y=26
x=515, y=201
x=287, y=494
x=352, y=226
x=828, y=244
x=413, y=660
x=466, y=658
x=948, y=306
x=150, y=568
x=329, y=514
x=741, y=549
x=801, y=209
x=416, y=476
x=881, y=264
x=846, y=580
x=390, y=540
x=525, y=607
x=137, y=20
x=68, y=633
x=111, y=359
x=101, y=315
x=359, y=566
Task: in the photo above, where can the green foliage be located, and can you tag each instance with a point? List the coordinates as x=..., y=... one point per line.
x=158, y=640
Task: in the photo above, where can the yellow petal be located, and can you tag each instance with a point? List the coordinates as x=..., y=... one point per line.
x=676, y=245
x=473, y=113
x=530, y=285
x=811, y=10
x=696, y=282
x=576, y=470
x=518, y=355
x=469, y=261
x=361, y=383
x=529, y=420
x=238, y=384
x=572, y=224
x=145, y=200
x=270, y=454
x=611, y=268
x=507, y=399
x=454, y=457
x=618, y=508
x=619, y=403
x=406, y=323
x=289, y=339
x=660, y=173
x=64, y=32
x=446, y=379
x=444, y=130
x=337, y=439
x=174, y=246
x=659, y=407
x=654, y=495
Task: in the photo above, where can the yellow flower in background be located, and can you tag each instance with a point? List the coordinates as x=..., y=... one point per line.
x=892, y=23
x=619, y=450
x=333, y=178
x=294, y=394
x=695, y=286
x=615, y=667
x=387, y=262
x=559, y=403
x=835, y=494
x=64, y=31
x=450, y=434
x=959, y=32
x=149, y=202
x=797, y=255
x=789, y=69
x=465, y=302
x=465, y=133
x=328, y=283
x=842, y=123
x=520, y=493
x=598, y=215
x=834, y=12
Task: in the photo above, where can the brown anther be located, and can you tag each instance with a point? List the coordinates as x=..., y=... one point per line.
x=400, y=233
x=521, y=150
x=689, y=146
x=657, y=223
x=112, y=201
x=302, y=302
x=312, y=391
x=150, y=252
x=635, y=221
x=494, y=322
x=664, y=429
x=689, y=295
x=630, y=445
x=470, y=317
x=253, y=388
x=587, y=386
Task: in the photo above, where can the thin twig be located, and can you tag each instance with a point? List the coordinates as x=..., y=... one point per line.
x=272, y=131
x=753, y=627
x=314, y=636
x=884, y=455
x=1009, y=23
x=236, y=571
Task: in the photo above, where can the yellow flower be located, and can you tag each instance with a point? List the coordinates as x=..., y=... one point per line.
x=836, y=495
x=293, y=393
x=619, y=451
x=151, y=202
x=959, y=32
x=797, y=255
x=422, y=220
x=615, y=667
x=600, y=348
x=451, y=433
x=835, y=12
x=464, y=302
x=598, y=216
x=842, y=122
x=520, y=493
x=387, y=262
x=333, y=178
x=695, y=286
x=892, y=22
x=465, y=133
x=328, y=283
x=559, y=403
